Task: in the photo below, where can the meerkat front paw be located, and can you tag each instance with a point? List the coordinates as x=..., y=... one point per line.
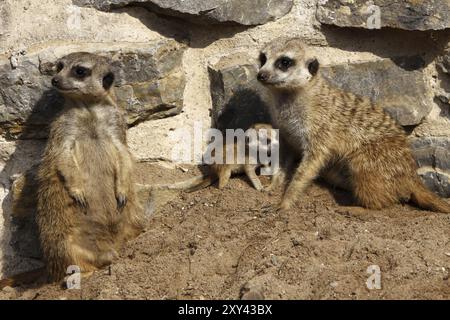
x=269, y=189
x=79, y=197
x=259, y=188
x=107, y=257
x=285, y=205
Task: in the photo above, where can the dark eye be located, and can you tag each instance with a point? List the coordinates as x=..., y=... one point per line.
x=262, y=59
x=59, y=67
x=284, y=63
x=81, y=72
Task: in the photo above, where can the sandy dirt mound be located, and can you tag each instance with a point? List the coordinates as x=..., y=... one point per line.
x=219, y=244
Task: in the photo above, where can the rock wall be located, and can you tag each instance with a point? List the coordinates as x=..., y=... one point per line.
x=183, y=62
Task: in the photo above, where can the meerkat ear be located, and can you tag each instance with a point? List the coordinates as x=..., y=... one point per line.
x=313, y=66
x=108, y=80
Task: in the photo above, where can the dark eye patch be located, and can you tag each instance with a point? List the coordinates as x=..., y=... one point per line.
x=284, y=63
x=262, y=59
x=81, y=72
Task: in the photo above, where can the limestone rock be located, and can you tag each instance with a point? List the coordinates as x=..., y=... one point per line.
x=206, y=11
x=399, y=86
x=444, y=61
x=433, y=157
x=150, y=85
x=408, y=14
x=438, y=182
x=4, y=20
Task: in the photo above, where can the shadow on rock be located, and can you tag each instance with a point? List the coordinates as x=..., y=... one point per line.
x=20, y=242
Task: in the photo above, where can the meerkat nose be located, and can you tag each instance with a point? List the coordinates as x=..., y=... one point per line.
x=263, y=76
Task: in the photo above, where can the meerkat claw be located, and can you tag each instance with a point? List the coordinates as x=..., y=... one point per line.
x=282, y=208
x=80, y=200
x=121, y=201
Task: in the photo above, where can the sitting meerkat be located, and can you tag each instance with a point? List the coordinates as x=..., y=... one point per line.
x=337, y=130
x=87, y=202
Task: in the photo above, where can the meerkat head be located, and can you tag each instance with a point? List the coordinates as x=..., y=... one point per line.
x=83, y=75
x=287, y=64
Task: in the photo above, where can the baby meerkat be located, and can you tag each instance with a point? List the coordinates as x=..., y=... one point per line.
x=87, y=202
x=339, y=130
x=224, y=171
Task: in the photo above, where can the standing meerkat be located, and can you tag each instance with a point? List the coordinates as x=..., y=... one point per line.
x=87, y=202
x=339, y=130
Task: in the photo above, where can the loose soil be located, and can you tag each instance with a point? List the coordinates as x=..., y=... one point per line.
x=222, y=244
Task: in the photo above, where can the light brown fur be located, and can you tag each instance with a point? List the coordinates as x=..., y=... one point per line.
x=338, y=130
x=87, y=202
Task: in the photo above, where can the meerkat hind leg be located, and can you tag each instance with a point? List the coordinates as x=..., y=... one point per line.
x=251, y=174
x=372, y=189
x=224, y=176
x=278, y=179
x=337, y=176
x=89, y=260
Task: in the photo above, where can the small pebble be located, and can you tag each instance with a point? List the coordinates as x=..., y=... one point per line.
x=253, y=295
x=9, y=289
x=274, y=260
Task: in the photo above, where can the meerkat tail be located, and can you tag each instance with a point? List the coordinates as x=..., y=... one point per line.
x=199, y=183
x=23, y=278
x=426, y=199
x=190, y=185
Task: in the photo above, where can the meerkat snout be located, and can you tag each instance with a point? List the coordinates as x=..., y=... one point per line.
x=55, y=82
x=263, y=76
